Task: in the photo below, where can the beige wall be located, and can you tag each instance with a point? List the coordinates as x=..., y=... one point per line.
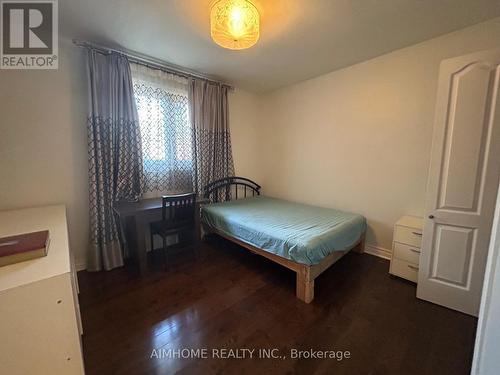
x=43, y=140
x=244, y=111
x=359, y=138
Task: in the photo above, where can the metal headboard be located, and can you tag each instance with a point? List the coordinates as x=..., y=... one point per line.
x=225, y=188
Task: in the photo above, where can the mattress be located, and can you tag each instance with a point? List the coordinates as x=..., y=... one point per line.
x=299, y=232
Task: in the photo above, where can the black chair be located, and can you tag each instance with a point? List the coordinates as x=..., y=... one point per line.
x=177, y=215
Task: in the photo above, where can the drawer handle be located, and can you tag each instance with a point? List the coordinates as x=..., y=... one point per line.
x=413, y=267
x=415, y=251
x=417, y=234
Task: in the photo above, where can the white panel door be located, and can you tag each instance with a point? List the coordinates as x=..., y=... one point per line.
x=463, y=181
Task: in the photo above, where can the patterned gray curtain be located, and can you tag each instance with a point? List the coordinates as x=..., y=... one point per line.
x=114, y=150
x=212, y=141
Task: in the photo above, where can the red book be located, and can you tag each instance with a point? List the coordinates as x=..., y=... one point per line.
x=23, y=247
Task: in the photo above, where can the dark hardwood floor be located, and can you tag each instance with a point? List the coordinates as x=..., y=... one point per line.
x=229, y=298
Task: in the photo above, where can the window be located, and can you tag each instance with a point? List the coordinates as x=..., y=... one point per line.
x=167, y=141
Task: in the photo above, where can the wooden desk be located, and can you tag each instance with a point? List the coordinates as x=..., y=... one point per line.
x=134, y=218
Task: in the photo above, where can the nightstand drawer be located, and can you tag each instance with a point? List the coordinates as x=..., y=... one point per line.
x=404, y=269
x=404, y=252
x=408, y=236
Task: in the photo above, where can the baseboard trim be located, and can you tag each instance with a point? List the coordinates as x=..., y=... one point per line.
x=378, y=251
x=369, y=249
x=80, y=265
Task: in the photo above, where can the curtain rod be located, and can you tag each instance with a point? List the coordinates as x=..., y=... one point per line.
x=148, y=61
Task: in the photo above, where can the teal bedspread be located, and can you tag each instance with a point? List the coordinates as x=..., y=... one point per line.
x=299, y=232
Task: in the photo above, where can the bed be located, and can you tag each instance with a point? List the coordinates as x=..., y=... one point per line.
x=306, y=239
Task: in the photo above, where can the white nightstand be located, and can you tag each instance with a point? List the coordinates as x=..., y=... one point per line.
x=406, y=247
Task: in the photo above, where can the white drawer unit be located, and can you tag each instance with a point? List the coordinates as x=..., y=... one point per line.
x=40, y=324
x=406, y=247
x=405, y=252
x=408, y=236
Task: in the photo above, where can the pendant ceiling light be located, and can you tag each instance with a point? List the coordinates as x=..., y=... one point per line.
x=234, y=24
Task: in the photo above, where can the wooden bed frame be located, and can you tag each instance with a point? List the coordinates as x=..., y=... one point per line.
x=224, y=189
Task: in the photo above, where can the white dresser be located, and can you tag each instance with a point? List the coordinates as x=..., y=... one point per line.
x=406, y=247
x=40, y=322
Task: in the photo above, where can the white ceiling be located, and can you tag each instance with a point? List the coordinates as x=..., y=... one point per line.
x=300, y=39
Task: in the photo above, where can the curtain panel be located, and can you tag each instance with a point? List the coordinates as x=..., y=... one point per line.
x=209, y=114
x=114, y=152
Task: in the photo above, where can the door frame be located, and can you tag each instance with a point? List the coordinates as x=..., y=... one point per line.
x=487, y=297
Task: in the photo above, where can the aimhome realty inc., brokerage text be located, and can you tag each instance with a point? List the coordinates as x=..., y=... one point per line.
x=248, y=353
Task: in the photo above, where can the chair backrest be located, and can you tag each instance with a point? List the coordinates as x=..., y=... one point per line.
x=178, y=207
